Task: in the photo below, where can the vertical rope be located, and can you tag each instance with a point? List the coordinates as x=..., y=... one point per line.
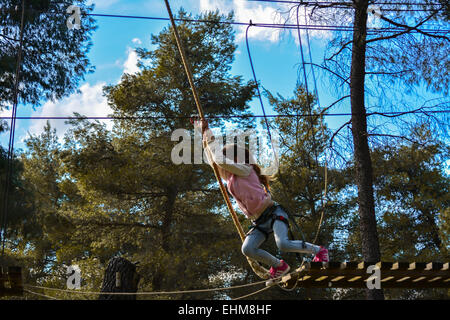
x=267, y=124
x=322, y=127
x=311, y=122
x=261, y=272
x=259, y=92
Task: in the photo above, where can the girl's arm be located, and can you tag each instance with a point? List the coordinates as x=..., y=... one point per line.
x=239, y=169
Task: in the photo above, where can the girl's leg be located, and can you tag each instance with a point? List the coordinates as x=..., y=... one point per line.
x=250, y=248
x=280, y=230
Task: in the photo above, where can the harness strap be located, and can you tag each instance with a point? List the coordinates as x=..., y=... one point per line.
x=265, y=216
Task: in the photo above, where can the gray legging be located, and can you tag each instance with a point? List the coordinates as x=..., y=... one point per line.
x=256, y=238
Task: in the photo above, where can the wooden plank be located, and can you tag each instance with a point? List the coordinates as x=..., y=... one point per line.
x=290, y=279
x=435, y=279
x=364, y=265
x=333, y=265
x=338, y=278
x=387, y=278
x=384, y=265
x=362, y=284
x=403, y=279
x=304, y=278
x=321, y=278
x=354, y=279
x=353, y=275
x=351, y=265
x=419, y=279
x=434, y=266
x=418, y=266
x=400, y=266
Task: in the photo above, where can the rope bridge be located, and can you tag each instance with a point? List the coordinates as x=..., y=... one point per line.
x=414, y=275
x=406, y=275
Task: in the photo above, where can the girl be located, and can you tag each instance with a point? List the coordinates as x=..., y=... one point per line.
x=250, y=189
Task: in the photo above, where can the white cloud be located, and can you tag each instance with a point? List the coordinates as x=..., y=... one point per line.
x=246, y=11
x=137, y=41
x=90, y=102
x=261, y=13
x=130, y=65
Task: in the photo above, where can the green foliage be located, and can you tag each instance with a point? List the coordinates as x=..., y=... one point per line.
x=117, y=193
x=413, y=194
x=105, y=193
x=299, y=184
x=412, y=201
x=54, y=59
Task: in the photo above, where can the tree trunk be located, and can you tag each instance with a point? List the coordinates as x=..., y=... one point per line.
x=363, y=162
x=120, y=276
x=166, y=235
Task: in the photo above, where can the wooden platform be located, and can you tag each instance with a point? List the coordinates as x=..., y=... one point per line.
x=355, y=275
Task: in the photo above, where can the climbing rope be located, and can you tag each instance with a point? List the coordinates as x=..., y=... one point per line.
x=257, y=268
x=270, y=136
x=40, y=295
x=154, y=293
x=312, y=130
x=311, y=119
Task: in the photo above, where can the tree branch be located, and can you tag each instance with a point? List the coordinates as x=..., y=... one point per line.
x=337, y=131
x=329, y=70
x=340, y=50
x=416, y=28
x=390, y=73
x=113, y=224
x=331, y=105
x=395, y=136
x=408, y=29
x=9, y=38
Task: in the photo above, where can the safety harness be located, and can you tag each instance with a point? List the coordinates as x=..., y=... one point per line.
x=270, y=213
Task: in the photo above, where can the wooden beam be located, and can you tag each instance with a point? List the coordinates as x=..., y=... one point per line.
x=400, y=266
x=354, y=275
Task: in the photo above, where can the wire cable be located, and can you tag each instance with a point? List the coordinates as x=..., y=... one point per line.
x=40, y=295
x=308, y=101
x=260, y=25
x=344, y=3
x=387, y=114
x=151, y=293
x=251, y=294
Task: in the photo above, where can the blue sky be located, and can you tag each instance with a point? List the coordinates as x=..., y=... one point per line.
x=275, y=55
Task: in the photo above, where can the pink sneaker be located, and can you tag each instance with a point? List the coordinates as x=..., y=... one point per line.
x=279, y=271
x=322, y=255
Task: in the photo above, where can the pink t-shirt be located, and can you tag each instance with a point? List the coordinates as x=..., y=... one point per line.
x=249, y=193
x=242, y=182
